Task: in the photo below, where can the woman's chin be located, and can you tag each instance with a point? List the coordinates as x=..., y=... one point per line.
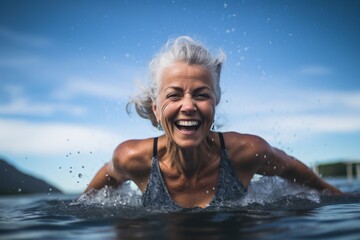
x=188, y=139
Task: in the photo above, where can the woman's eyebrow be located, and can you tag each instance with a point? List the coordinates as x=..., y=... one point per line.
x=179, y=89
x=199, y=89
x=173, y=88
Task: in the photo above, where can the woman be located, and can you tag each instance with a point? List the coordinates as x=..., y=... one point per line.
x=191, y=165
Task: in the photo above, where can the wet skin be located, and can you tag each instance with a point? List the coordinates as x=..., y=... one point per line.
x=185, y=106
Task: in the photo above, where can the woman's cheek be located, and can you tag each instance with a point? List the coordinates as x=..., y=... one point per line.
x=163, y=107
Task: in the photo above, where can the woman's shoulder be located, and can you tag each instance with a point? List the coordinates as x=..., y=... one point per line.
x=134, y=154
x=247, y=152
x=242, y=146
x=243, y=140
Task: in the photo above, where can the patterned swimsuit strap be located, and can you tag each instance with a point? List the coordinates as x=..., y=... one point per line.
x=222, y=142
x=155, y=147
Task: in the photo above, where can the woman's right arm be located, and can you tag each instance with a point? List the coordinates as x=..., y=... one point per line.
x=111, y=174
x=131, y=161
x=108, y=175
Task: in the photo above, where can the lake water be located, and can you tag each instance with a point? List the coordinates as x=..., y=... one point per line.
x=272, y=209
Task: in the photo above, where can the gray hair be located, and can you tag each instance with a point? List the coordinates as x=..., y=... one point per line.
x=181, y=49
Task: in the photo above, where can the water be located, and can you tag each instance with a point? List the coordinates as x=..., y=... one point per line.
x=273, y=209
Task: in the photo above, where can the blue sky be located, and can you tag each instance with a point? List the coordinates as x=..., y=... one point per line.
x=67, y=69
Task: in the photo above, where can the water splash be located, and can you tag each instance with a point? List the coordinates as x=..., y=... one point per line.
x=266, y=192
x=278, y=192
x=126, y=195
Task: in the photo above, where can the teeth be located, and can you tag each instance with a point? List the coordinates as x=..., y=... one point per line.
x=188, y=123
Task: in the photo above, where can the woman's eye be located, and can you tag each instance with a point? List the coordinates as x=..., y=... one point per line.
x=173, y=96
x=203, y=96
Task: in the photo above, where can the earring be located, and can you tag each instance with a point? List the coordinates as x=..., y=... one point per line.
x=213, y=127
x=159, y=127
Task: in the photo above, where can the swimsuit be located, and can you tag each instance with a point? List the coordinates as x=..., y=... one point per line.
x=229, y=186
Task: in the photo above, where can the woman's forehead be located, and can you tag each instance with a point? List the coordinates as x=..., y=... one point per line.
x=180, y=73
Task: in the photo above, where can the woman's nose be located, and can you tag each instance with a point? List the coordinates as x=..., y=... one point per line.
x=188, y=104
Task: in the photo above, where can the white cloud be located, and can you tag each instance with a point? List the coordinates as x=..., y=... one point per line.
x=20, y=61
x=280, y=129
x=314, y=123
x=22, y=106
x=23, y=38
x=288, y=101
x=23, y=137
x=294, y=112
x=346, y=100
x=316, y=70
x=95, y=88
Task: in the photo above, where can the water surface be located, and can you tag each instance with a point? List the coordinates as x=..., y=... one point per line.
x=273, y=209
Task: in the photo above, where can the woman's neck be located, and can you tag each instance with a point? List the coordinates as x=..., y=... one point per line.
x=190, y=161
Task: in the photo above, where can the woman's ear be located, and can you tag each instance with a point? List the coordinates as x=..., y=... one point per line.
x=155, y=111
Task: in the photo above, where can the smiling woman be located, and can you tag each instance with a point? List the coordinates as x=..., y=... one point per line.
x=185, y=106
x=190, y=165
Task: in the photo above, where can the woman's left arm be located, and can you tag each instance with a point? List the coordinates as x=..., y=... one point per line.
x=280, y=164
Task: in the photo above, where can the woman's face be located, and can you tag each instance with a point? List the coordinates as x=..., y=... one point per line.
x=185, y=104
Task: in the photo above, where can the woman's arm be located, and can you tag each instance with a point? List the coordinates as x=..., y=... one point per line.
x=131, y=161
x=280, y=164
x=106, y=176
x=251, y=155
x=112, y=173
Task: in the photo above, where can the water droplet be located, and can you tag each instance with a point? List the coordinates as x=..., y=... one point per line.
x=80, y=175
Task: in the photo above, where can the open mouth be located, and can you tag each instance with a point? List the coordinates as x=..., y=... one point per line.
x=188, y=126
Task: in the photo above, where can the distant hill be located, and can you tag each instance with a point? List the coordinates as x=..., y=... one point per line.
x=13, y=181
